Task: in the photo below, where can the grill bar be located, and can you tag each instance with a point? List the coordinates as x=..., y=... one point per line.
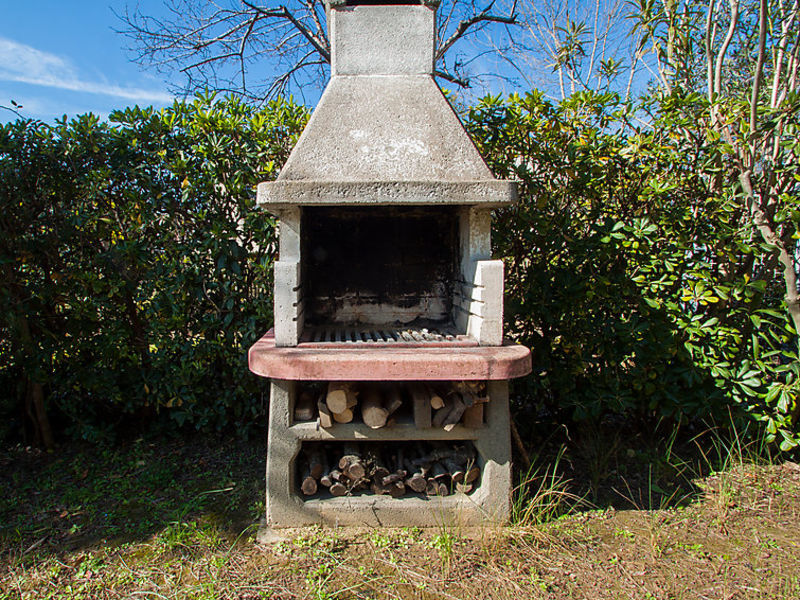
x=354, y=335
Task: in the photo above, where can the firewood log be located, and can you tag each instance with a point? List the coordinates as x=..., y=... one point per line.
x=472, y=473
x=352, y=464
x=394, y=400
x=417, y=482
x=378, y=473
x=473, y=416
x=326, y=480
x=338, y=489
x=393, y=478
x=316, y=464
x=398, y=460
x=457, y=471
x=341, y=396
x=304, y=407
x=436, y=488
x=331, y=477
x=437, y=402
x=343, y=417
x=421, y=401
x=325, y=415
x=439, y=472
x=454, y=416
x=441, y=414
x=397, y=489
x=309, y=484
x=358, y=485
x=373, y=413
x=464, y=488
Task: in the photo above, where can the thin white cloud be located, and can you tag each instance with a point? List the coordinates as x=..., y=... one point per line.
x=25, y=64
x=42, y=107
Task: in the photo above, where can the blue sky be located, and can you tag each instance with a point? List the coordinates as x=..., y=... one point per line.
x=63, y=57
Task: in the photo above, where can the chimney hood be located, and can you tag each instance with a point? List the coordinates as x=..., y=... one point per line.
x=383, y=132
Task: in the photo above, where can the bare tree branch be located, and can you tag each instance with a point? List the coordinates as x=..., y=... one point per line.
x=257, y=49
x=485, y=16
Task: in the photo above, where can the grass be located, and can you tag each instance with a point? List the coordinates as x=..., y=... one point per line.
x=676, y=518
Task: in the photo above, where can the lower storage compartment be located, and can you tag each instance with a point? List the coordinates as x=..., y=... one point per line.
x=396, y=469
x=395, y=476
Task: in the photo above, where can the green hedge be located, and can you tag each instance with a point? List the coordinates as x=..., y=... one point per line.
x=135, y=271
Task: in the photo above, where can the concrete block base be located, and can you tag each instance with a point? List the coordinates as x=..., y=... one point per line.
x=490, y=503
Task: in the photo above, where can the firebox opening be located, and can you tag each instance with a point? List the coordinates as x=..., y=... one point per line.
x=379, y=265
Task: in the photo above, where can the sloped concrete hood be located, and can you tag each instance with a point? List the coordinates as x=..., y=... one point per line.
x=383, y=132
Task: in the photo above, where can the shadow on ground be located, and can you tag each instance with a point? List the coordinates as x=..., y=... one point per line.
x=82, y=495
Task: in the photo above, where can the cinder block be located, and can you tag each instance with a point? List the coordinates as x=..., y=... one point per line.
x=289, y=234
x=287, y=303
x=485, y=321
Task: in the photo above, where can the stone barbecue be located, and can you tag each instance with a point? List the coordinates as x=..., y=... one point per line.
x=389, y=371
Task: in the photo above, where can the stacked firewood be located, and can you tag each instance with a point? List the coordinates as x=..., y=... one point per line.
x=446, y=405
x=347, y=469
x=434, y=404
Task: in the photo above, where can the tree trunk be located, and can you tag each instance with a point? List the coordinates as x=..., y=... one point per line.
x=38, y=413
x=768, y=234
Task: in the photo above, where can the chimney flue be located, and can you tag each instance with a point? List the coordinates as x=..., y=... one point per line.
x=377, y=38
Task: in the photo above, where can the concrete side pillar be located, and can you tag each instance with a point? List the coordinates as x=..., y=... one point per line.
x=475, y=238
x=283, y=505
x=494, y=447
x=478, y=297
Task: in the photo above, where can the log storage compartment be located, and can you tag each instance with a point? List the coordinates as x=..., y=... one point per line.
x=291, y=444
x=388, y=367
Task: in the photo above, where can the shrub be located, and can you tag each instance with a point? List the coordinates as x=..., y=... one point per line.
x=136, y=271
x=641, y=292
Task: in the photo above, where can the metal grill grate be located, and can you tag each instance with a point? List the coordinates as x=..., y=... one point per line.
x=344, y=335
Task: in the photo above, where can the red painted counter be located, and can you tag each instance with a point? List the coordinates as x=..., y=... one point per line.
x=401, y=362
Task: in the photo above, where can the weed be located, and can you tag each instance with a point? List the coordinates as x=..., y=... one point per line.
x=628, y=535
x=319, y=542
x=380, y=539
x=90, y=566
x=317, y=580
x=444, y=543
x=537, y=580
x=542, y=495
x=404, y=538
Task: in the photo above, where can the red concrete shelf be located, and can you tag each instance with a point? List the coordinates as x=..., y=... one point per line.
x=365, y=362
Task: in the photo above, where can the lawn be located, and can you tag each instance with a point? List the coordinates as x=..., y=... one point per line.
x=604, y=515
